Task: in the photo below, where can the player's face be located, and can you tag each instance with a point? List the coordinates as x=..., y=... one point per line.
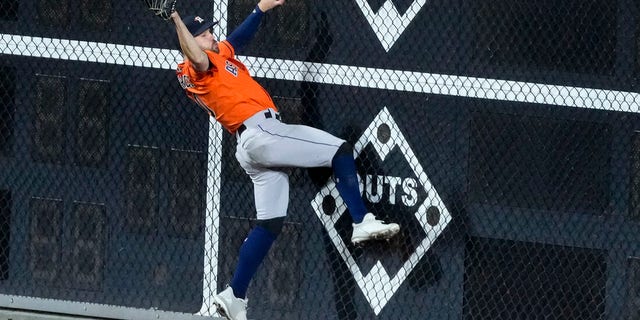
x=207, y=41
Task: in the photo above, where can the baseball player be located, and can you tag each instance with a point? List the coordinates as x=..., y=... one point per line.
x=213, y=78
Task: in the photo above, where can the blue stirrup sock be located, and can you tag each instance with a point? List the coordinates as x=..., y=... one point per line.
x=346, y=177
x=252, y=252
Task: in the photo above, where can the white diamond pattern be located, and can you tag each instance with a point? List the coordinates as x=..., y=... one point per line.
x=378, y=286
x=388, y=24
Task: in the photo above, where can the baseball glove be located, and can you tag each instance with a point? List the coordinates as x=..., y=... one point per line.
x=162, y=8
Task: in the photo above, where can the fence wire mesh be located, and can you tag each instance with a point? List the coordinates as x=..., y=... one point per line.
x=501, y=135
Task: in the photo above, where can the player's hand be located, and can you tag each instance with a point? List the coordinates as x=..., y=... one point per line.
x=266, y=5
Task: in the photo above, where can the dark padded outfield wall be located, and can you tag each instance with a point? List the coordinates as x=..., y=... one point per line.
x=501, y=135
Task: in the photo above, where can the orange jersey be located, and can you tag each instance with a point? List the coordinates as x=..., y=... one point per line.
x=226, y=90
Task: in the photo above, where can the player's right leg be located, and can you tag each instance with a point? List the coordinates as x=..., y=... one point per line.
x=365, y=225
x=280, y=145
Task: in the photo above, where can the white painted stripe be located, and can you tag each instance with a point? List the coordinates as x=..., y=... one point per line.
x=396, y=80
x=99, y=52
x=212, y=220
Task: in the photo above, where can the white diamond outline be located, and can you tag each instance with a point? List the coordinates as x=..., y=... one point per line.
x=388, y=24
x=377, y=286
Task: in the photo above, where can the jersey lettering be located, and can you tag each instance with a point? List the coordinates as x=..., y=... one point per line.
x=185, y=82
x=232, y=68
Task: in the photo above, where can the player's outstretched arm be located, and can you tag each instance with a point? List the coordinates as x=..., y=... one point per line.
x=241, y=36
x=188, y=44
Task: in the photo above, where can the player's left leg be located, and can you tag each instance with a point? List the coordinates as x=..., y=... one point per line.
x=271, y=193
x=282, y=145
x=253, y=251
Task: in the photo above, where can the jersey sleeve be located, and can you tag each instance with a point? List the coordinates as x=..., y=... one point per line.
x=193, y=81
x=241, y=36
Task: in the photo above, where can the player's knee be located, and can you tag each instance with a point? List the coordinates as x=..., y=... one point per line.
x=346, y=149
x=273, y=225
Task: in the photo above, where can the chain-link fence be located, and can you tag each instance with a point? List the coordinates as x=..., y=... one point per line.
x=502, y=136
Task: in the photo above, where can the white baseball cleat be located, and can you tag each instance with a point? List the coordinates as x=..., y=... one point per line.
x=229, y=306
x=373, y=229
